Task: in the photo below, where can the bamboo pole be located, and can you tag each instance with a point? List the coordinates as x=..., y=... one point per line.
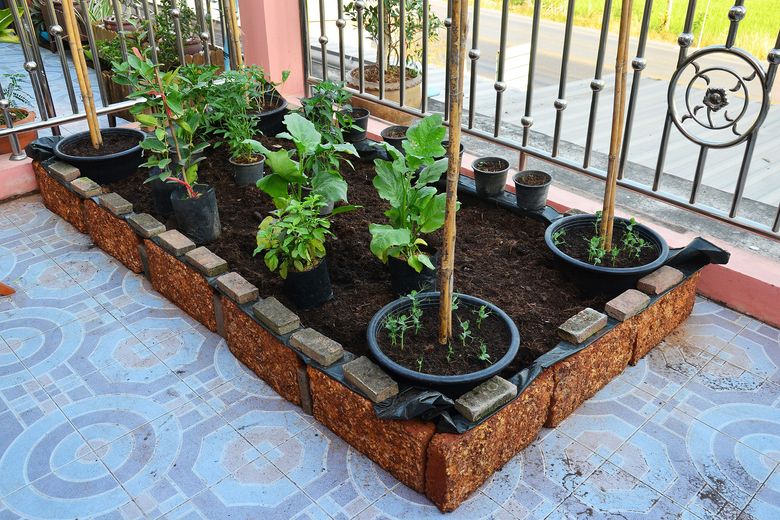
x=447, y=267
x=80, y=64
x=618, y=122
x=235, y=34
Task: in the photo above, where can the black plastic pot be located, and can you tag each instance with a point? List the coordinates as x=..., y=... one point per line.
x=197, y=218
x=452, y=385
x=272, y=120
x=105, y=169
x=161, y=196
x=446, y=145
x=248, y=174
x=395, y=142
x=404, y=279
x=309, y=289
x=490, y=183
x=601, y=279
x=531, y=196
x=360, y=119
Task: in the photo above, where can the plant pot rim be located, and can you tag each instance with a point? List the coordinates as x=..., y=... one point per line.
x=476, y=169
x=384, y=131
x=433, y=379
x=234, y=163
x=354, y=81
x=82, y=135
x=356, y=110
x=599, y=269
x=516, y=178
x=272, y=111
x=30, y=116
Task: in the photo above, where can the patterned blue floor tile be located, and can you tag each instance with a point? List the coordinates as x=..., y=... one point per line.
x=756, y=351
x=604, y=422
x=256, y=490
x=403, y=504
x=82, y=489
x=173, y=458
x=611, y=493
x=695, y=465
x=766, y=503
x=55, y=236
x=92, y=269
x=533, y=484
x=340, y=479
x=735, y=402
x=20, y=392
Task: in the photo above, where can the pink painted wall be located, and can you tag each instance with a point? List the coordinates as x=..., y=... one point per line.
x=16, y=177
x=272, y=39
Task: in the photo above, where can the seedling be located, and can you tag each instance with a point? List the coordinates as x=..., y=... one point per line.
x=455, y=302
x=465, y=331
x=633, y=243
x=558, y=237
x=420, y=362
x=596, y=250
x=403, y=326
x=597, y=222
x=450, y=352
x=483, y=353
x=416, y=311
x=481, y=313
x=391, y=324
x=614, y=254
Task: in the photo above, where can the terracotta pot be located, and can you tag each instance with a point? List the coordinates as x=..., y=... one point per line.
x=111, y=25
x=25, y=138
x=193, y=46
x=412, y=97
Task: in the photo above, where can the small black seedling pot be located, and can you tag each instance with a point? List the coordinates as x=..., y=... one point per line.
x=404, y=279
x=247, y=174
x=392, y=136
x=161, y=196
x=490, y=175
x=531, y=187
x=197, y=218
x=446, y=145
x=360, y=119
x=309, y=289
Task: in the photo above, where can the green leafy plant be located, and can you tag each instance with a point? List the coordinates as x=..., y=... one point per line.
x=324, y=109
x=450, y=352
x=632, y=243
x=7, y=34
x=316, y=165
x=263, y=92
x=482, y=313
x=293, y=237
x=391, y=325
x=165, y=32
x=172, y=108
x=403, y=326
x=416, y=208
x=413, y=28
x=559, y=237
x=14, y=92
x=483, y=353
x=455, y=302
x=415, y=312
x=231, y=118
x=465, y=331
x=596, y=251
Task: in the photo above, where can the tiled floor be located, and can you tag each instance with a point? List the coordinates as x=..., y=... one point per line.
x=114, y=404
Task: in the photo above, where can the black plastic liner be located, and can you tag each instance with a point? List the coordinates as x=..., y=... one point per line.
x=42, y=148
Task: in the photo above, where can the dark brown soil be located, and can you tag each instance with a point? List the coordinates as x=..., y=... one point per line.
x=112, y=143
x=491, y=165
x=500, y=257
x=392, y=74
x=252, y=159
x=532, y=179
x=575, y=244
x=395, y=132
x=421, y=350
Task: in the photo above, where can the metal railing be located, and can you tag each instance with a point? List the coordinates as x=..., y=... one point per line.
x=709, y=115
x=142, y=11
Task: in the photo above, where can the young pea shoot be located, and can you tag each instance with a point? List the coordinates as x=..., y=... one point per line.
x=403, y=326
x=420, y=363
x=455, y=302
x=450, y=352
x=481, y=313
x=415, y=311
x=465, y=331
x=558, y=237
x=483, y=353
x=391, y=324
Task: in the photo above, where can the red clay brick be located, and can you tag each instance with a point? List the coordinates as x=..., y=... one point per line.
x=113, y=236
x=182, y=285
x=59, y=199
x=259, y=350
x=459, y=464
x=400, y=447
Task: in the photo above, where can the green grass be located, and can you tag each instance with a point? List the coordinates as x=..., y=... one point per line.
x=757, y=32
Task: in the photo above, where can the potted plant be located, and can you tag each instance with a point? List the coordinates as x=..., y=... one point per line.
x=315, y=169
x=19, y=100
x=165, y=33
x=329, y=110
x=531, y=187
x=104, y=155
x=292, y=239
x=490, y=175
x=416, y=209
x=391, y=58
x=395, y=136
x=248, y=166
x=265, y=99
x=173, y=113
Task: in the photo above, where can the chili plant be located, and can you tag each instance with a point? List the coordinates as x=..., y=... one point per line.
x=328, y=108
x=316, y=165
x=416, y=208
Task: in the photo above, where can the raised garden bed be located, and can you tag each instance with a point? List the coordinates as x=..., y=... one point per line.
x=450, y=457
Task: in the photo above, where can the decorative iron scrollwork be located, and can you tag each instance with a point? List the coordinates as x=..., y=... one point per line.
x=718, y=96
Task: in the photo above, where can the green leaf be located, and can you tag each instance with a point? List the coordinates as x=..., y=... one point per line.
x=330, y=186
x=388, y=183
x=432, y=173
x=384, y=237
x=280, y=163
x=346, y=208
x=432, y=214
x=423, y=140
x=146, y=119
x=274, y=185
x=303, y=132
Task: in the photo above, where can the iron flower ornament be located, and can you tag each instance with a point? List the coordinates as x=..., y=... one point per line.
x=715, y=99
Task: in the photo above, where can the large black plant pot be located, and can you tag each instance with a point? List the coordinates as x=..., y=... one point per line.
x=272, y=120
x=451, y=385
x=601, y=279
x=104, y=169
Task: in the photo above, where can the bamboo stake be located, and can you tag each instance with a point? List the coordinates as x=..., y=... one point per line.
x=80, y=64
x=235, y=34
x=447, y=267
x=618, y=122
